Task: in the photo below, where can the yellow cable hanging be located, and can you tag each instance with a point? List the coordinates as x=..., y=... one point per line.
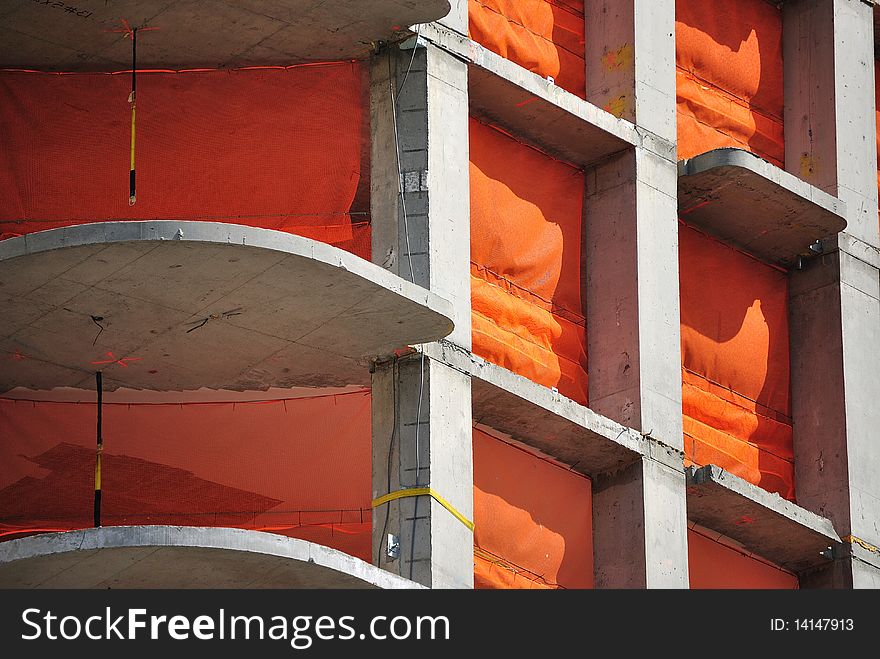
x=424, y=491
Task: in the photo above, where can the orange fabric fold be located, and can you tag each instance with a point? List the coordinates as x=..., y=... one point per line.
x=526, y=219
x=543, y=36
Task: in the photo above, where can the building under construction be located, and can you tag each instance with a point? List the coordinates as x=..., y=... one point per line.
x=468, y=293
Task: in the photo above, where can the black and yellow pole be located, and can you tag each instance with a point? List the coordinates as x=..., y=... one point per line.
x=132, y=186
x=100, y=387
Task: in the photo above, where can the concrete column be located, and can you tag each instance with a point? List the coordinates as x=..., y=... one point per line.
x=631, y=251
x=835, y=299
x=422, y=408
x=630, y=61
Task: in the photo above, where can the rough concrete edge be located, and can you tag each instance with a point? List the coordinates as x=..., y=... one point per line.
x=858, y=248
x=476, y=55
x=102, y=233
x=742, y=159
x=536, y=395
x=257, y=542
x=771, y=502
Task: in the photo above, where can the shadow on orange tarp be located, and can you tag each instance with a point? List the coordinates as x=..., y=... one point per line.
x=533, y=520
x=296, y=467
x=544, y=36
x=735, y=363
x=526, y=223
x=729, y=77
x=714, y=565
x=277, y=148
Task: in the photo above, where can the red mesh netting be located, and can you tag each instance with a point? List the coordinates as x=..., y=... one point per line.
x=543, y=36
x=526, y=219
x=298, y=467
x=735, y=363
x=533, y=520
x=274, y=148
x=714, y=565
x=729, y=77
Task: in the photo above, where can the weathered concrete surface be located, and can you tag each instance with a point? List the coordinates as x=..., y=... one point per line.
x=172, y=297
x=541, y=418
x=745, y=201
x=834, y=302
x=764, y=523
x=182, y=557
x=202, y=34
x=422, y=432
x=631, y=268
x=532, y=108
x=630, y=62
x=640, y=527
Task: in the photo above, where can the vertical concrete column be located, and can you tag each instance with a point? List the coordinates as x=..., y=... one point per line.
x=828, y=52
x=421, y=231
x=631, y=240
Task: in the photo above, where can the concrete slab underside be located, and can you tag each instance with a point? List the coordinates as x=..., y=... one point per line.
x=182, y=557
x=202, y=34
x=764, y=523
x=174, y=306
x=746, y=201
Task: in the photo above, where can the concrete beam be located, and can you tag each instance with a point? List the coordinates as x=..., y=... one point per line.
x=834, y=302
x=541, y=418
x=197, y=34
x=167, y=297
x=764, y=523
x=422, y=433
x=534, y=109
x=182, y=557
x=747, y=202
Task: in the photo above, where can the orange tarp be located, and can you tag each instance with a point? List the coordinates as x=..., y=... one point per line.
x=273, y=148
x=714, y=565
x=543, y=36
x=298, y=467
x=526, y=218
x=533, y=520
x=735, y=363
x=729, y=77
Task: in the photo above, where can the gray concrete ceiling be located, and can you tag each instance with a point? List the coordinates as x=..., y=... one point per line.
x=177, y=306
x=182, y=557
x=77, y=35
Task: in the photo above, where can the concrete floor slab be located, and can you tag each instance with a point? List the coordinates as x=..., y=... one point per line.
x=182, y=557
x=751, y=204
x=199, y=304
x=191, y=34
x=543, y=419
x=765, y=523
x=532, y=108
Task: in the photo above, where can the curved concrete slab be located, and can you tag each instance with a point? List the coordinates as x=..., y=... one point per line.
x=182, y=557
x=173, y=306
x=744, y=200
x=202, y=34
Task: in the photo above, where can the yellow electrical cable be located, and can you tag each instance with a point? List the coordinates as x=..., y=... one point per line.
x=419, y=492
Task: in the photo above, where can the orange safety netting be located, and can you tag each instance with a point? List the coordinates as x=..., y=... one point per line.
x=735, y=363
x=526, y=219
x=298, y=467
x=533, y=520
x=543, y=36
x=714, y=565
x=278, y=148
x=729, y=77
